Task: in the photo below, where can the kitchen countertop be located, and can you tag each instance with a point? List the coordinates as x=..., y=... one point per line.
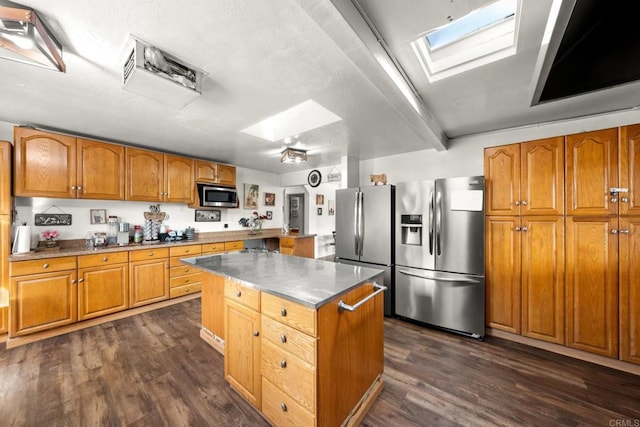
x=311, y=282
x=202, y=238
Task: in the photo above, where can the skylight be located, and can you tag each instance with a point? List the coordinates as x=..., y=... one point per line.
x=300, y=118
x=478, y=38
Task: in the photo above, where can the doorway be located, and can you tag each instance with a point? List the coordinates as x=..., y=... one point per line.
x=296, y=203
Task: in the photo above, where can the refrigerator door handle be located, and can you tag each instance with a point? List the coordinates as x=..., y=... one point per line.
x=439, y=279
x=356, y=225
x=431, y=223
x=360, y=222
x=439, y=223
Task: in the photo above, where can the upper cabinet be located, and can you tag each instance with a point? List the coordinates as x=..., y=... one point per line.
x=591, y=173
x=5, y=178
x=525, y=179
x=158, y=177
x=630, y=169
x=53, y=165
x=215, y=173
x=45, y=164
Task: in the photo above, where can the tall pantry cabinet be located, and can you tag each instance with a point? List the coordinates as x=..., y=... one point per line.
x=525, y=238
x=5, y=231
x=563, y=240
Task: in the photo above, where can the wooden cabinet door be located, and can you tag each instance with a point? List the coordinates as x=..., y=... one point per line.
x=543, y=278
x=45, y=164
x=5, y=178
x=213, y=303
x=178, y=179
x=242, y=351
x=542, y=173
x=100, y=170
x=226, y=175
x=205, y=171
x=591, y=171
x=148, y=282
x=592, y=284
x=630, y=170
x=629, y=236
x=502, y=258
x=5, y=251
x=42, y=301
x=502, y=178
x=102, y=290
x=145, y=175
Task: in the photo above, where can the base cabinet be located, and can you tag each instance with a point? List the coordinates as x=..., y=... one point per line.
x=298, y=246
x=148, y=276
x=629, y=242
x=103, y=284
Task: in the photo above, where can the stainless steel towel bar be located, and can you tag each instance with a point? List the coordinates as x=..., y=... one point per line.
x=344, y=306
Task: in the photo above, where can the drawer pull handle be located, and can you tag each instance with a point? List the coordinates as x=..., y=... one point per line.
x=256, y=333
x=283, y=338
x=343, y=306
x=80, y=280
x=186, y=280
x=150, y=253
x=105, y=259
x=283, y=364
x=186, y=250
x=238, y=294
x=283, y=407
x=283, y=312
x=45, y=265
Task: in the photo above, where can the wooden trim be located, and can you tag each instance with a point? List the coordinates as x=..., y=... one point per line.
x=367, y=401
x=18, y=341
x=567, y=351
x=213, y=340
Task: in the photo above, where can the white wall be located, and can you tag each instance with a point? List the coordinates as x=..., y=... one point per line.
x=465, y=155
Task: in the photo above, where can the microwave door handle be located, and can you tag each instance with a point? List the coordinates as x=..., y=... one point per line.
x=431, y=223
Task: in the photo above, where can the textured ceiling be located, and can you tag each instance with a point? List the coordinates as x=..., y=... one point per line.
x=262, y=57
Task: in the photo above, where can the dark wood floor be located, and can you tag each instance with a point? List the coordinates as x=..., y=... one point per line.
x=153, y=369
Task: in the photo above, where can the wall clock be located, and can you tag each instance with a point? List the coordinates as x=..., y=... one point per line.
x=314, y=178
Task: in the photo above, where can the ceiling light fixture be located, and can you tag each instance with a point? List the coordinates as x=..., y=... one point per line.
x=24, y=38
x=291, y=155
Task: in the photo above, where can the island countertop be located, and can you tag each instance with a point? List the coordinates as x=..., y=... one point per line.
x=310, y=282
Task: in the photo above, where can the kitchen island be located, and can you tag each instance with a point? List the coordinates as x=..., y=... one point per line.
x=302, y=338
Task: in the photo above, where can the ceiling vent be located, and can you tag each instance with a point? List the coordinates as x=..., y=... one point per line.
x=155, y=74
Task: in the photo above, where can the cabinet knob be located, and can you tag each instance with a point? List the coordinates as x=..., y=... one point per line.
x=256, y=333
x=283, y=338
x=614, y=200
x=80, y=280
x=283, y=364
x=283, y=407
x=238, y=294
x=525, y=229
x=187, y=250
x=524, y=203
x=624, y=199
x=614, y=231
x=186, y=280
x=518, y=228
x=517, y=202
x=624, y=231
x=150, y=253
x=79, y=187
x=73, y=187
x=283, y=312
x=45, y=265
x=73, y=281
x=105, y=259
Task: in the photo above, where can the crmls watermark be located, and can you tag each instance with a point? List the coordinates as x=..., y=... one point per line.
x=624, y=423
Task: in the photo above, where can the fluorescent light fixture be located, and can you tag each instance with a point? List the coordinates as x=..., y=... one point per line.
x=301, y=118
x=292, y=155
x=24, y=38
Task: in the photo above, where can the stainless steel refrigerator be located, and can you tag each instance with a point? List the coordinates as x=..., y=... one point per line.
x=440, y=253
x=365, y=232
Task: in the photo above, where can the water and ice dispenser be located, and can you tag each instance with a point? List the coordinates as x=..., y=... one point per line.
x=411, y=226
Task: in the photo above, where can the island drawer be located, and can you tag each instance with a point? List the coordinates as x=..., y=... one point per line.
x=290, y=340
x=244, y=295
x=185, y=290
x=185, y=279
x=147, y=254
x=286, y=251
x=46, y=265
x=175, y=262
x=208, y=248
x=283, y=410
x=290, y=374
x=105, y=258
x=185, y=251
x=296, y=315
x=181, y=269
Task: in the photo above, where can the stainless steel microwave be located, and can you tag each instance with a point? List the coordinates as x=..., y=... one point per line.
x=218, y=197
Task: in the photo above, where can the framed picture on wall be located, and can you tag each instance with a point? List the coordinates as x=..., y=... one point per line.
x=331, y=207
x=294, y=203
x=319, y=211
x=98, y=216
x=251, y=194
x=269, y=199
x=269, y=215
x=319, y=199
x=207, y=215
